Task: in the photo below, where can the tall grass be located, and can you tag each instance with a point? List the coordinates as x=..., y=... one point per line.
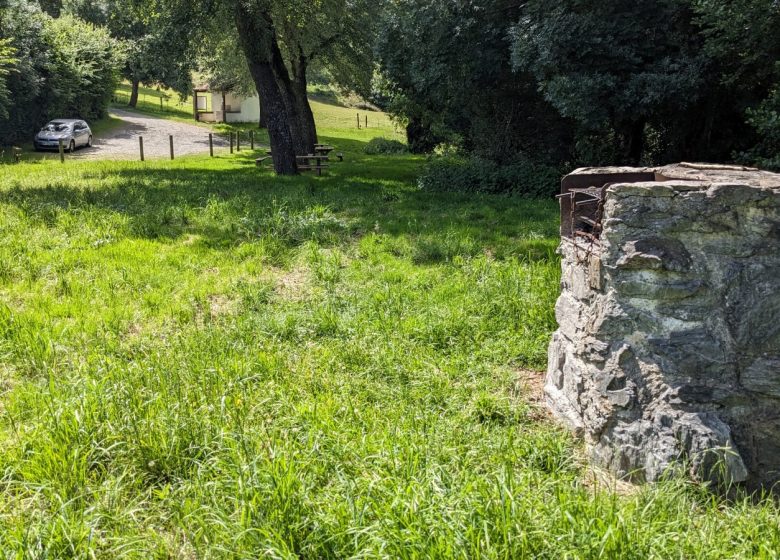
x=200, y=360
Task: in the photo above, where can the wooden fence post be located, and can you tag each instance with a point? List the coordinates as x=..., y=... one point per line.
x=62, y=151
x=231, y=142
x=211, y=145
x=238, y=140
x=358, y=120
x=366, y=121
x=141, y=146
x=251, y=139
x=170, y=139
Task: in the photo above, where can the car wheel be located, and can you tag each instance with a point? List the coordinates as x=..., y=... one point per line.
x=72, y=146
x=89, y=141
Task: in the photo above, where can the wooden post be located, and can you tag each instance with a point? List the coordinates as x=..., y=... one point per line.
x=366, y=121
x=251, y=139
x=358, y=120
x=170, y=139
x=211, y=145
x=161, y=107
x=62, y=152
x=231, y=142
x=238, y=140
x=141, y=146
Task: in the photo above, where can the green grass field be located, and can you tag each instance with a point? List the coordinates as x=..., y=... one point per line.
x=201, y=360
x=155, y=101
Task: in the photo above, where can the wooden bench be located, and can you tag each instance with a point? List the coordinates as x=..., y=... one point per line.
x=312, y=163
x=317, y=168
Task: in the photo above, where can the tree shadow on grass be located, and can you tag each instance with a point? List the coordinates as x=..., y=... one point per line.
x=365, y=195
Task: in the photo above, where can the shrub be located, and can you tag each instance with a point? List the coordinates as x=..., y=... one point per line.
x=63, y=68
x=521, y=178
x=385, y=146
x=765, y=119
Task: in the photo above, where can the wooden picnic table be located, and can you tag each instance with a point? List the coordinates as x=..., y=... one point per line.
x=323, y=149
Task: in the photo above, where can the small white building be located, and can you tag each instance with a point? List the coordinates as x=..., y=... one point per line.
x=222, y=106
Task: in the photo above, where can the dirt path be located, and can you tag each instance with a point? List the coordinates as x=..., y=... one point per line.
x=122, y=142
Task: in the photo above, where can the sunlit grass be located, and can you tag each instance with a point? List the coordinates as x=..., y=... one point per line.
x=155, y=100
x=201, y=360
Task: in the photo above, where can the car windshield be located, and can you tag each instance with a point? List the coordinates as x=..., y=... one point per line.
x=55, y=127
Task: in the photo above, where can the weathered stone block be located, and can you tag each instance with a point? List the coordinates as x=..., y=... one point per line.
x=668, y=351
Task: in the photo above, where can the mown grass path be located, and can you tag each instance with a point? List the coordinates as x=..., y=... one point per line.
x=201, y=360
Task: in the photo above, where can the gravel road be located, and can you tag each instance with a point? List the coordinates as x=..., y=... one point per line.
x=122, y=142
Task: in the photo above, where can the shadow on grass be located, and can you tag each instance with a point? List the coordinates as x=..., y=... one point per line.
x=238, y=202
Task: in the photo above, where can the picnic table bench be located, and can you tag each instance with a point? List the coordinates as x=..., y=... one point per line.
x=305, y=163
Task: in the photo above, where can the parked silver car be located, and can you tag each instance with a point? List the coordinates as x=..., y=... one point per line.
x=72, y=132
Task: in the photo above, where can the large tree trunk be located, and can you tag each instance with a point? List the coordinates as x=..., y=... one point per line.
x=258, y=41
x=283, y=81
x=633, y=141
x=301, y=99
x=262, y=121
x=133, y=94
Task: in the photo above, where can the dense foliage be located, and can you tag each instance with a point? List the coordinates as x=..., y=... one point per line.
x=741, y=37
x=474, y=174
x=583, y=82
x=7, y=61
x=458, y=85
x=155, y=47
x=62, y=68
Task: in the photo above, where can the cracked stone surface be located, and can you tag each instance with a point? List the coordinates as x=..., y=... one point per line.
x=667, y=354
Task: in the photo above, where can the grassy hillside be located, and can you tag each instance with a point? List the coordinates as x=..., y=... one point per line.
x=201, y=360
x=332, y=116
x=155, y=100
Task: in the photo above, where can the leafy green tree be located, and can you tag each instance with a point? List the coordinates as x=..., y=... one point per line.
x=613, y=67
x=273, y=36
x=742, y=37
x=457, y=85
x=331, y=35
x=221, y=63
x=87, y=63
x=7, y=62
x=338, y=35
x=64, y=67
x=156, y=48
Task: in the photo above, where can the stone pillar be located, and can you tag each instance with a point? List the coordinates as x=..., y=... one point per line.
x=667, y=354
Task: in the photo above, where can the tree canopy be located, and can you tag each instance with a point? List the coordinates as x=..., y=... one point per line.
x=586, y=82
x=155, y=47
